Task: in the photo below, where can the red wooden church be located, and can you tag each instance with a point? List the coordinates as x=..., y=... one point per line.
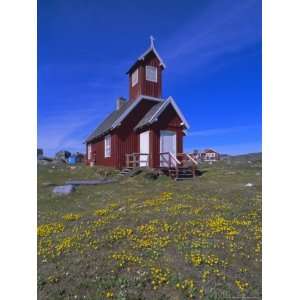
x=144, y=131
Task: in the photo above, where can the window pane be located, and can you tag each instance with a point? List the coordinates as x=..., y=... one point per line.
x=107, y=146
x=134, y=77
x=151, y=73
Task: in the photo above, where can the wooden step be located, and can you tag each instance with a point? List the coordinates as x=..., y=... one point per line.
x=185, y=175
x=183, y=178
x=129, y=172
x=125, y=172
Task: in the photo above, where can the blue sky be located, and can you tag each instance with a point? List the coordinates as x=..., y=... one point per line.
x=212, y=49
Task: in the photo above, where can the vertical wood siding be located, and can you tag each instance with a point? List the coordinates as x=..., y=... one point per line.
x=145, y=87
x=168, y=120
x=124, y=140
x=127, y=138
x=98, y=149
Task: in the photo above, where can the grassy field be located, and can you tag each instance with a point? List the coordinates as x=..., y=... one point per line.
x=151, y=239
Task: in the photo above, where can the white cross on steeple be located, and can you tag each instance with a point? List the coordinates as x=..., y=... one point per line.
x=151, y=41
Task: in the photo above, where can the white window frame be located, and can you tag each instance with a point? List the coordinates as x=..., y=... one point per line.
x=89, y=151
x=149, y=69
x=107, y=145
x=135, y=77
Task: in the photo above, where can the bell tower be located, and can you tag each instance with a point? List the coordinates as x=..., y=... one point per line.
x=145, y=75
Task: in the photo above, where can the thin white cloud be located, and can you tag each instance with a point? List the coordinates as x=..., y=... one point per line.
x=221, y=28
x=67, y=130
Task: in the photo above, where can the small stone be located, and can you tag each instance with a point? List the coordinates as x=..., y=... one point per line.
x=47, y=184
x=63, y=189
x=231, y=173
x=249, y=184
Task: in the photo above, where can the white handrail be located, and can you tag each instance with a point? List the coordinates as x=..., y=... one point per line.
x=193, y=160
x=175, y=158
x=171, y=156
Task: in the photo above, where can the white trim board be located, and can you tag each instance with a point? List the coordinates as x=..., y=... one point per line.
x=152, y=48
x=171, y=101
x=131, y=107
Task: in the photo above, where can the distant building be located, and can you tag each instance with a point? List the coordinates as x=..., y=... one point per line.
x=209, y=155
x=40, y=152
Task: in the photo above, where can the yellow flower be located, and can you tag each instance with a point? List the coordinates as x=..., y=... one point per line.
x=47, y=229
x=109, y=294
x=71, y=217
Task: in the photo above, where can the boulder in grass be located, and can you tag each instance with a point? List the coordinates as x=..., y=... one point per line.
x=62, y=155
x=62, y=190
x=42, y=157
x=59, y=161
x=151, y=174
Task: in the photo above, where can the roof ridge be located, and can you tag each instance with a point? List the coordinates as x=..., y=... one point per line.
x=117, y=116
x=142, y=57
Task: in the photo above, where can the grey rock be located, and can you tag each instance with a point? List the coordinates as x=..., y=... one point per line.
x=59, y=161
x=230, y=173
x=43, y=162
x=62, y=155
x=47, y=184
x=62, y=190
x=249, y=184
x=151, y=175
x=41, y=157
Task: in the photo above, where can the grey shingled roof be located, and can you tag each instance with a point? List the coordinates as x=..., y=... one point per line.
x=105, y=125
x=145, y=120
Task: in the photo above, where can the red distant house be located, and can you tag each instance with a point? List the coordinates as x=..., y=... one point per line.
x=145, y=130
x=209, y=155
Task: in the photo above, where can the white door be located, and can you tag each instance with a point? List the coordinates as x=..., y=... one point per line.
x=144, y=148
x=167, y=144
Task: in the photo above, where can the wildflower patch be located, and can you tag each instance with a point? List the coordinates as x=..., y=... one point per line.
x=48, y=229
x=71, y=217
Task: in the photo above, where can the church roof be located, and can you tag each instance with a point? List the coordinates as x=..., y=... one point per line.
x=152, y=115
x=117, y=116
x=148, y=51
x=106, y=124
x=146, y=119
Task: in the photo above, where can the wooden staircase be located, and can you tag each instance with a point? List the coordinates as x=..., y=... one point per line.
x=180, y=167
x=181, y=173
x=125, y=172
x=129, y=171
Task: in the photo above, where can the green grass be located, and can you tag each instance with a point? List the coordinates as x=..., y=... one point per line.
x=151, y=239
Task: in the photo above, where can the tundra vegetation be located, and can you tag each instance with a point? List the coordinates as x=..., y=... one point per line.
x=151, y=239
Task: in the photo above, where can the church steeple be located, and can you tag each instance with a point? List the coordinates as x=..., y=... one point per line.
x=151, y=41
x=145, y=75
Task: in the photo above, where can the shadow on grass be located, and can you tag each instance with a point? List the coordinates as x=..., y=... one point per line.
x=199, y=173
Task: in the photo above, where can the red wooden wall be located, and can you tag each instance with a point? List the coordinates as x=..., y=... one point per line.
x=168, y=120
x=127, y=138
x=98, y=149
x=124, y=140
x=145, y=87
